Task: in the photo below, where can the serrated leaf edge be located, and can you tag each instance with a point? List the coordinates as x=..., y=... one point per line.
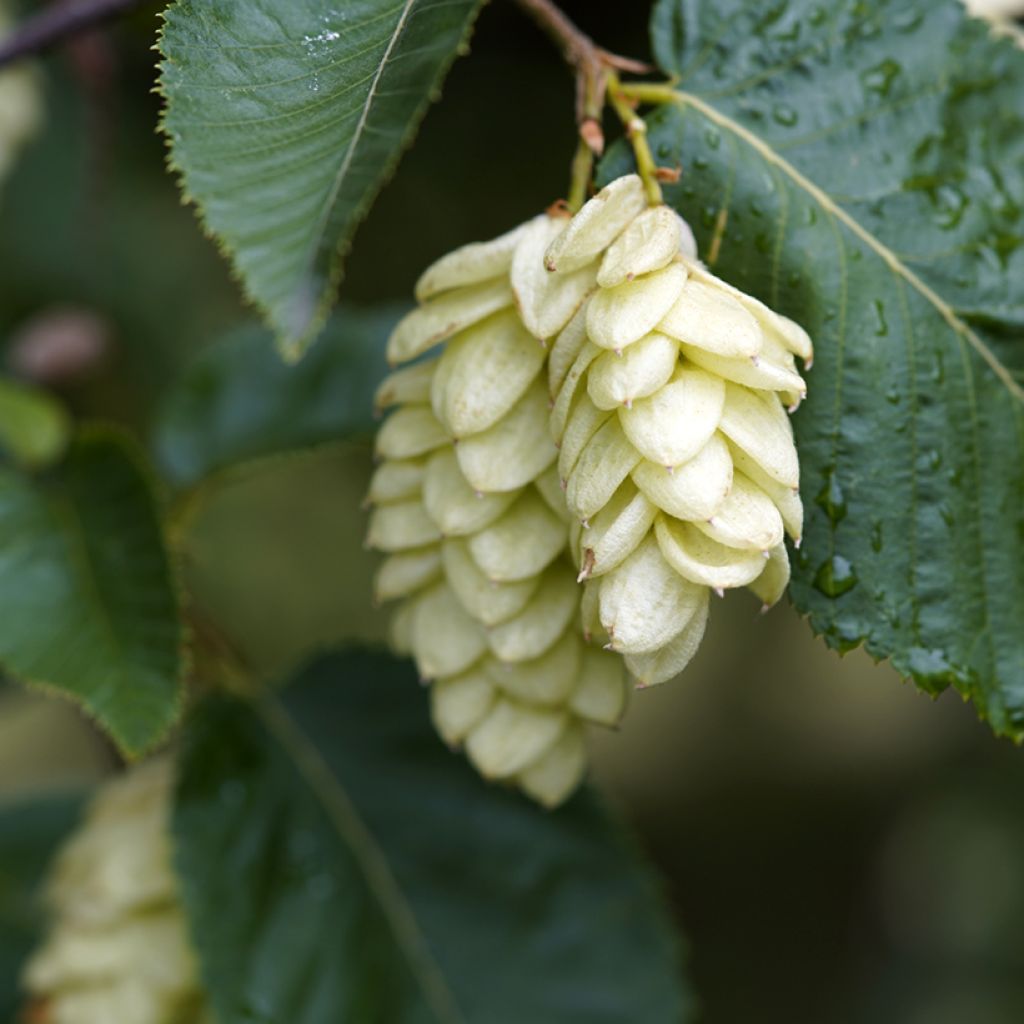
x=135, y=454
x=970, y=690
x=292, y=348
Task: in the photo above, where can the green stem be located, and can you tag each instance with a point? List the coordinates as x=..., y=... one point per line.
x=649, y=92
x=579, y=182
x=636, y=132
x=595, y=71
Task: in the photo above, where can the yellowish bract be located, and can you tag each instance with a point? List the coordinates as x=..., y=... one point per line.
x=20, y=106
x=468, y=506
x=118, y=948
x=604, y=411
x=676, y=450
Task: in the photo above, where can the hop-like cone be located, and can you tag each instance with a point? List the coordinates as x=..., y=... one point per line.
x=670, y=392
x=20, y=106
x=118, y=949
x=468, y=508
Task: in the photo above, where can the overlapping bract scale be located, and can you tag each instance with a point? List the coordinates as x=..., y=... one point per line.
x=20, y=103
x=469, y=509
x=118, y=947
x=600, y=442
x=670, y=393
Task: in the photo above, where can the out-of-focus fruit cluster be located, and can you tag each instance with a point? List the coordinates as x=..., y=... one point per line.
x=118, y=948
x=20, y=105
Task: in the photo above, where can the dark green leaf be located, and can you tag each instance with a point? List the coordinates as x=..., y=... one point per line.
x=87, y=600
x=374, y=878
x=867, y=160
x=29, y=835
x=238, y=401
x=284, y=121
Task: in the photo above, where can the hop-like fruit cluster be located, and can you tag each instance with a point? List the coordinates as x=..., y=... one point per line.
x=468, y=506
x=19, y=105
x=670, y=393
x=604, y=411
x=118, y=949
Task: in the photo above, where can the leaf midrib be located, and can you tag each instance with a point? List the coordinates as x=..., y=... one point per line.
x=364, y=116
x=356, y=835
x=830, y=206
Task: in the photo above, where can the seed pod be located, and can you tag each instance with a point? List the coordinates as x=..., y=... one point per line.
x=20, y=107
x=118, y=948
x=469, y=507
x=669, y=394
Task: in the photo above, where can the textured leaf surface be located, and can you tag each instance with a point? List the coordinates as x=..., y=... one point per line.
x=285, y=119
x=238, y=401
x=29, y=836
x=87, y=601
x=374, y=877
x=867, y=162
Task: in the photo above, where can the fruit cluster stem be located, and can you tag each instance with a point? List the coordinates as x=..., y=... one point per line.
x=636, y=132
x=597, y=82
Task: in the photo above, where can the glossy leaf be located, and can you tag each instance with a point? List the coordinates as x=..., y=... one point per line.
x=374, y=877
x=30, y=833
x=238, y=401
x=860, y=167
x=284, y=121
x=87, y=599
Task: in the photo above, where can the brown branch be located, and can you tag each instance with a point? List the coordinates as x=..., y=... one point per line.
x=587, y=59
x=577, y=47
x=597, y=78
x=58, y=22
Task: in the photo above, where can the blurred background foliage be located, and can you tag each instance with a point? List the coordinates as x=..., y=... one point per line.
x=837, y=847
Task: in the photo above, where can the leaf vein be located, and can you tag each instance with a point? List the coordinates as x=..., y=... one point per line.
x=357, y=835
x=771, y=156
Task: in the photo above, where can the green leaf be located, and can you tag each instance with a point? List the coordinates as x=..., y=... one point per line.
x=374, y=877
x=284, y=121
x=867, y=160
x=30, y=833
x=34, y=426
x=87, y=598
x=238, y=401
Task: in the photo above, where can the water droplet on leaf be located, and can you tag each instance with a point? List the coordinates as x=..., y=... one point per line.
x=831, y=499
x=930, y=668
x=879, y=79
x=881, y=327
x=784, y=114
x=835, y=577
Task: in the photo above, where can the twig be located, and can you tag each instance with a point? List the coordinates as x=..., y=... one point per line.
x=577, y=47
x=596, y=71
x=58, y=22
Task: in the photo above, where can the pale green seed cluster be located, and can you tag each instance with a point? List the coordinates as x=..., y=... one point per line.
x=118, y=949
x=670, y=392
x=468, y=506
x=20, y=107
x=604, y=411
